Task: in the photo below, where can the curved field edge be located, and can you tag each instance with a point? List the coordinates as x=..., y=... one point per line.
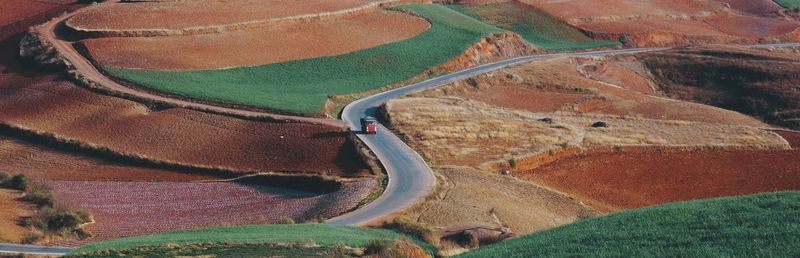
x=303, y=86
x=535, y=26
x=788, y=3
x=761, y=225
x=319, y=234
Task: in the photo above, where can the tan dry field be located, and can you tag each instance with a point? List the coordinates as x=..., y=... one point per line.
x=455, y=131
x=43, y=163
x=279, y=43
x=619, y=86
x=11, y=212
x=465, y=196
x=199, y=13
x=757, y=7
x=178, y=135
x=632, y=178
x=665, y=23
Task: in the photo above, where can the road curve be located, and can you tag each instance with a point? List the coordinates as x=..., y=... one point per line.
x=89, y=71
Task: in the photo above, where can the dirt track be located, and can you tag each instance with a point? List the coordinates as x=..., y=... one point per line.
x=93, y=74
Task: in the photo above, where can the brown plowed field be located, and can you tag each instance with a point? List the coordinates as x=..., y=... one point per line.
x=11, y=212
x=178, y=135
x=123, y=209
x=757, y=7
x=16, y=10
x=635, y=178
x=39, y=162
x=664, y=22
x=185, y=14
x=274, y=44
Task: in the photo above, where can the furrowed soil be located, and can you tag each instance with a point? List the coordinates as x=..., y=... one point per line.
x=757, y=7
x=15, y=10
x=178, y=135
x=466, y=196
x=187, y=14
x=124, y=209
x=12, y=211
x=667, y=23
x=755, y=82
x=633, y=178
x=274, y=44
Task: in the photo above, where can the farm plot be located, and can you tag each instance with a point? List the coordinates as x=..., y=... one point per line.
x=462, y=132
x=304, y=86
x=757, y=7
x=178, y=135
x=15, y=10
x=11, y=211
x=533, y=25
x=757, y=225
x=123, y=209
x=789, y=3
x=187, y=14
x=632, y=178
x=274, y=44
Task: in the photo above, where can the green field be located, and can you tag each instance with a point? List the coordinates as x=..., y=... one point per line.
x=763, y=225
x=789, y=3
x=303, y=86
x=320, y=234
x=535, y=26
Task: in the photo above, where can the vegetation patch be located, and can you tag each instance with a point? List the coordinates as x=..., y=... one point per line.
x=789, y=3
x=303, y=86
x=318, y=234
x=535, y=26
x=226, y=250
x=762, y=225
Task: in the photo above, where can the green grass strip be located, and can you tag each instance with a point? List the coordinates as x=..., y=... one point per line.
x=789, y=3
x=321, y=234
x=762, y=225
x=537, y=27
x=303, y=86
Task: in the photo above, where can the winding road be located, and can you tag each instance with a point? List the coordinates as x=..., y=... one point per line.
x=410, y=178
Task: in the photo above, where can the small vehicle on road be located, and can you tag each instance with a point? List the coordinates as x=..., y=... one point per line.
x=369, y=125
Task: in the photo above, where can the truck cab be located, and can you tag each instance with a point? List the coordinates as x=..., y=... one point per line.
x=369, y=125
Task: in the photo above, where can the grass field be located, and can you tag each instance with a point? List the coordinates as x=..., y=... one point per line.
x=303, y=86
x=762, y=225
x=533, y=25
x=789, y=3
x=320, y=234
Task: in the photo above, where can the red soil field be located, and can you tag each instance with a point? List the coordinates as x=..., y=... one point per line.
x=123, y=209
x=178, y=135
x=43, y=163
x=184, y=14
x=633, y=178
x=279, y=43
x=16, y=10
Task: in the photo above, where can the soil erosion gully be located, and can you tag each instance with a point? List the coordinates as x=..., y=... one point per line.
x=409, y=177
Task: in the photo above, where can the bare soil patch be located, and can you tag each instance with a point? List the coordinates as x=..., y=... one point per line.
x=756, y=7
x=279, y=43
x=179, y=135
x=466, y=196
x=633, y=178
x=185, y=14
x=461, y=132
x=123, y=209
x=12, y=211
x=15, y=10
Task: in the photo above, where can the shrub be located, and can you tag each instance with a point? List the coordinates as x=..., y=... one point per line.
x=4, y=177
x=412, y=228
x=57, y=220
x=377, y=246
x=512, y=163
x=19, y=182
x=40, y=197
x=286, y=221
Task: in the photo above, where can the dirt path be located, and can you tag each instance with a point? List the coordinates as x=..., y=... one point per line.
x=91, y=73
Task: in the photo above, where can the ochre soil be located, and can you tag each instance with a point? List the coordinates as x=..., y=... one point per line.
x=760, y=83
x=633, y=178
x=667, y=23
x=279, y=43
x=44, y=163
x=185, y=14
x=756, y=7
x=12, y=211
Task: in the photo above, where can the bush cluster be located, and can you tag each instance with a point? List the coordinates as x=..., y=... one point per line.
x=412, y=228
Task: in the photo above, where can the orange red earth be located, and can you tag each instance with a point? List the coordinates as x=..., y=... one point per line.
x=278, y=43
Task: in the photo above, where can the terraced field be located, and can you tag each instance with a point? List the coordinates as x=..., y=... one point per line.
x=304, y=86
x=533, y=25
x=789, y=3
x=756, y=225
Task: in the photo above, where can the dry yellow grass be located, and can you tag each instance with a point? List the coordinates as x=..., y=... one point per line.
x=455, y=131
x=11, y=211
x=466, y=196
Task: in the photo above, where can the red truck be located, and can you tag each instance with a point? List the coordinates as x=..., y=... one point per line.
x=369, y=125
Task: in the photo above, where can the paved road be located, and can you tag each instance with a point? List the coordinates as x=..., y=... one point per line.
x=32, y=249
